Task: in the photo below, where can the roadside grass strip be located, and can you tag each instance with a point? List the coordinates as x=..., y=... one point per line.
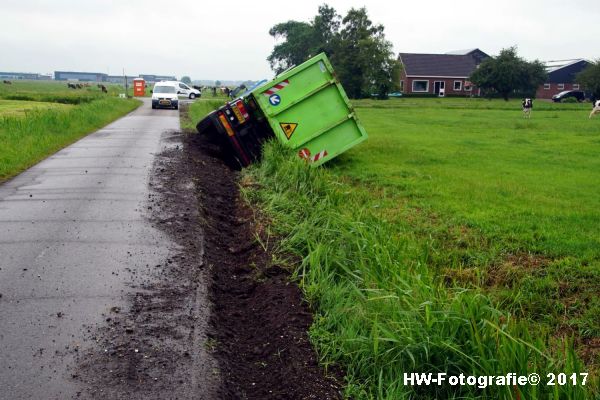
x=29, y=138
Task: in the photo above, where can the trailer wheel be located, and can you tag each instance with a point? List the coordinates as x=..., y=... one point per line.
x=192, y=96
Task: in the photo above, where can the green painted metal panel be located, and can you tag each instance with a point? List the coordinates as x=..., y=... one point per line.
x=308, y=109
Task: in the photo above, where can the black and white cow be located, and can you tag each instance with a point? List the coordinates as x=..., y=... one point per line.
x=527, y=106
x=596, y=109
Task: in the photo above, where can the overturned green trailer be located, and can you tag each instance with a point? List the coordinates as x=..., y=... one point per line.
x=305, y=107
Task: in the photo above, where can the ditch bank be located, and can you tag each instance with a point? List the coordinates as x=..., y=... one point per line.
x=259, y=321
x=218, y=319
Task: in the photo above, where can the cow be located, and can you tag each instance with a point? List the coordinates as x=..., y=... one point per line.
x=527, y=106
x=103, y=88
x=7, y=82
x=596, y=109
x=71, y=86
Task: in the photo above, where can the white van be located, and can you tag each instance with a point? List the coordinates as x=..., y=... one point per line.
x=164, y=95
x=184, y=90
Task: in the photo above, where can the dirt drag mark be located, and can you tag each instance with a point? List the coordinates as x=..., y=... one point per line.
x=157, y=349
x=249, y=342
x=259, y=321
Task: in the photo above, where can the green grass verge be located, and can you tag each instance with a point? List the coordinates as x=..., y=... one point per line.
x=19, y=107
x=198, y=110
x=26, y=140
x=381, y=310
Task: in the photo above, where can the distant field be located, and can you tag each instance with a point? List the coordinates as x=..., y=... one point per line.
x=59, y=91
x=39, y=118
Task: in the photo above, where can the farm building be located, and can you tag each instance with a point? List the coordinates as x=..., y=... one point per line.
x=80, y=76
x=440, y=74
x=561, y=76
x=23, y=75
x=157, y=78
x=119, y=79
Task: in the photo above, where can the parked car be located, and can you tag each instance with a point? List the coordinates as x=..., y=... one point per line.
x=577, y=94
x=393, y=94
x=164, y=95
x=185, y=90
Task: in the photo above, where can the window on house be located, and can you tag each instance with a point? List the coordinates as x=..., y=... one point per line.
x=546, y=86
x=561, y=86
x=420, y=86
x=458, y=86
x=402, y=86
x=576, y=86
x=468, y=86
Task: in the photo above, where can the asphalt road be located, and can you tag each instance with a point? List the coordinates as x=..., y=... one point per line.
x=74, y=233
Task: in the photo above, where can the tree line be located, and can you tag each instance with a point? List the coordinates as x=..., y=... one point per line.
x=365, y=64
x=357, y=48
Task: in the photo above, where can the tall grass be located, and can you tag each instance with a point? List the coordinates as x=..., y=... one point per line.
x=380, y=311
x=29, y=138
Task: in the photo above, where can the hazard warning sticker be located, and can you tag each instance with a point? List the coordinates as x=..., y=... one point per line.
x=288, y=128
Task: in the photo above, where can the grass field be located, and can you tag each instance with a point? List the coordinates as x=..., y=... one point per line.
x=509, y=204
x=39, y=118
x=458, y=238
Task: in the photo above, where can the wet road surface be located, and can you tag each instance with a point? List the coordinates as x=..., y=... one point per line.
x=74, y=235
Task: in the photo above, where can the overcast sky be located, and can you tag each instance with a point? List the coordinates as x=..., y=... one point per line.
x=230, y=40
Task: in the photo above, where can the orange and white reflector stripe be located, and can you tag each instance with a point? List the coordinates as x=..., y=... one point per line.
x=304, y=153
x=319, y=155
x=276, y=88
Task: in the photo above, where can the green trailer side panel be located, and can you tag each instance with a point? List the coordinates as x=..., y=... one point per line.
x=308, y=109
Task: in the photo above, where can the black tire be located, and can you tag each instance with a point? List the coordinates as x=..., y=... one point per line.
x=153, y=107
x=192, y=96
x=176, y=107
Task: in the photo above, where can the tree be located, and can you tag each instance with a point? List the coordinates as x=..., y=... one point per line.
x=298, y=40
x=359, y=52
x=302, y=40
x=363, y=58
x=508, y=73
x=217, y=83
x=326, y=26
x=186, y=79
x=589, y=79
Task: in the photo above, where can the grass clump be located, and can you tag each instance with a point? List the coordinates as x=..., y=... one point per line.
x=381, y=311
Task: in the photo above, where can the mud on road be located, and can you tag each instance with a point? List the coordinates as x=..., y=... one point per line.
x=251, y=342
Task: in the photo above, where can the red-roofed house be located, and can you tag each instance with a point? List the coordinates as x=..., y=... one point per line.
x=440, y=74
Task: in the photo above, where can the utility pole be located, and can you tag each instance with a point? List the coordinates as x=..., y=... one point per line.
x=125, y=81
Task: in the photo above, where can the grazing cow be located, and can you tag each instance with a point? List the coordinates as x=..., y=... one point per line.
x=7, y=82
x=71, y=86
x=103, y=89
x=527, y=106
x=596, y=109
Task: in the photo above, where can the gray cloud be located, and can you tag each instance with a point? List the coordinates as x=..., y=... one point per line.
x=207, y=40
